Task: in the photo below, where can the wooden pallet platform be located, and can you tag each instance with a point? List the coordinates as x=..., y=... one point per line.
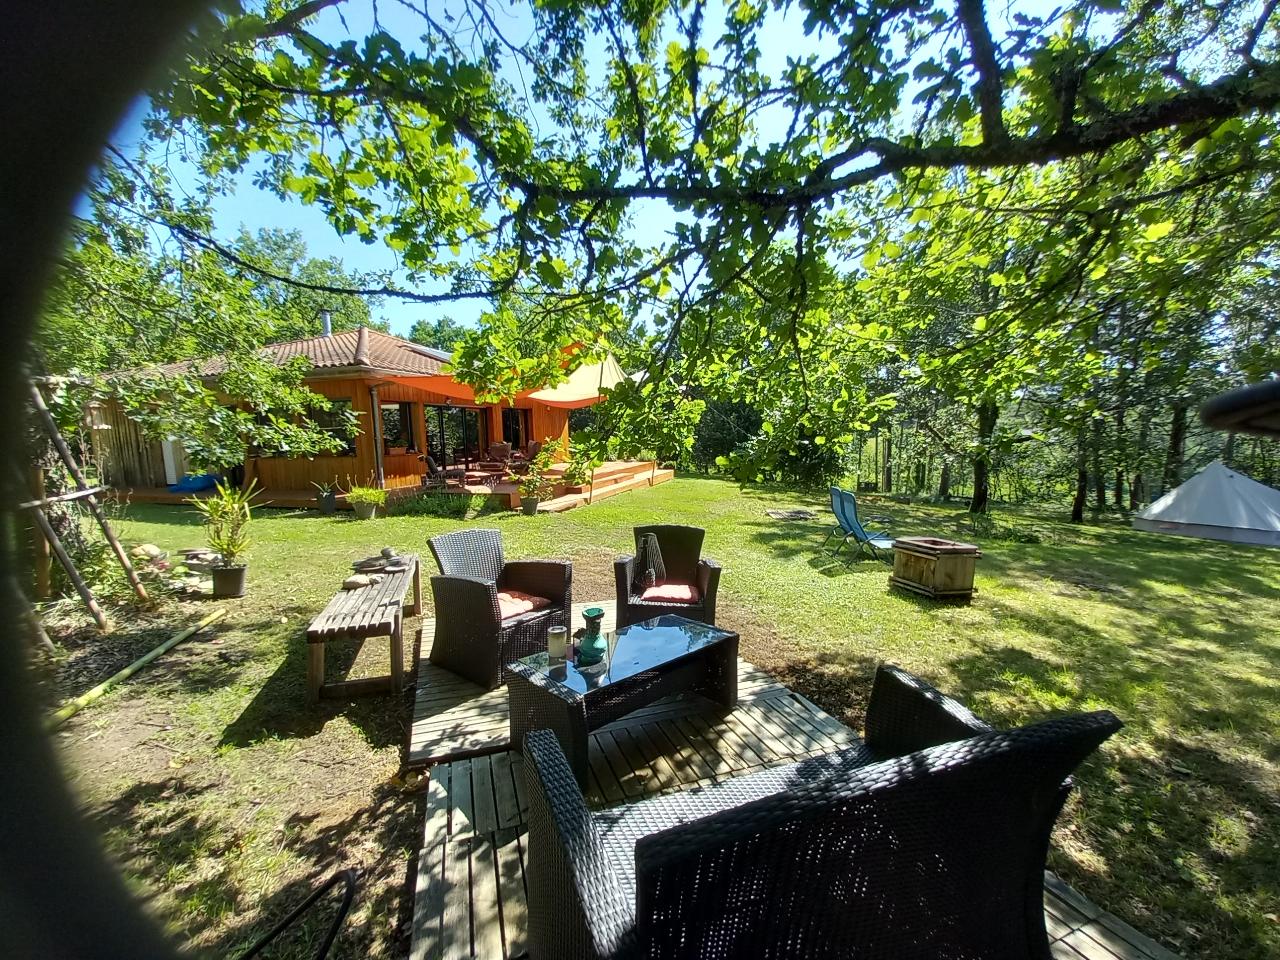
x=469, y=895
x=453, y=718
x=469, y=898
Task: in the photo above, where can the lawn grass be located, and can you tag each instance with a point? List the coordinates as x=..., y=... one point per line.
x=224, y=796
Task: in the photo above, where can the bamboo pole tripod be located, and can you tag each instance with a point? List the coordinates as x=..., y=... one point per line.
x=47, y=538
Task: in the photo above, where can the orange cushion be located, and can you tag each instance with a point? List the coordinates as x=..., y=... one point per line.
x=673, y=593
x=512, y=603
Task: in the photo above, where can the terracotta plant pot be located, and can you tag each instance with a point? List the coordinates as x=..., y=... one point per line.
x=229, y=581
x=529, y=505
x=365, y=511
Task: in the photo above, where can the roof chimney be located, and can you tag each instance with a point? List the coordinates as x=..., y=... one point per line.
x=361, y=358
x=326, y=324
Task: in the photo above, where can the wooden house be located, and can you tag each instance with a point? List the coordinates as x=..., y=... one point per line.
x=408, y=404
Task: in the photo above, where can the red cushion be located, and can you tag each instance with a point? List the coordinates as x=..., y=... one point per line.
x=673, y=593
x=512, y=603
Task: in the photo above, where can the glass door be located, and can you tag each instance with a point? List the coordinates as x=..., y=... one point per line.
x=515, y=428
x=455, y=434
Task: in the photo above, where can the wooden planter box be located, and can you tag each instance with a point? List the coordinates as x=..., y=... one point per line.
x=942, y=569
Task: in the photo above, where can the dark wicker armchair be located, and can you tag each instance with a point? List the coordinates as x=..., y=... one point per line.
x=681, y=549
x=472, y=638
x=928, y=840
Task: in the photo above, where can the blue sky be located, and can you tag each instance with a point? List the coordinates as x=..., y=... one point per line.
x=253, y=209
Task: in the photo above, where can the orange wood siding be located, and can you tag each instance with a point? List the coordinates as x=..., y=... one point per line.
x=281, y=473
x=403, y=470
x=298, y=473
x=495, y=423
x=552, y=422
x=545, y=422
x=129, y=459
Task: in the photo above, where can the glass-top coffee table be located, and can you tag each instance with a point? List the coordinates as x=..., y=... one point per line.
x=646, y=662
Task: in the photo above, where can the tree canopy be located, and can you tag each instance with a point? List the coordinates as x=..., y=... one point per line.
x=442, y=333
x=935, y=198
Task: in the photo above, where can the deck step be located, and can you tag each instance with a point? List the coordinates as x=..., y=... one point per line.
x=570, y=500
x=612, y=475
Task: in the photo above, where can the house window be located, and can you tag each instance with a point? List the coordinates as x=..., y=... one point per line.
x=397, y=428
x=261, y=420
x=334, y=422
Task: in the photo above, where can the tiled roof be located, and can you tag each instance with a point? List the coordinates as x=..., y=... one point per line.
x=373, y=350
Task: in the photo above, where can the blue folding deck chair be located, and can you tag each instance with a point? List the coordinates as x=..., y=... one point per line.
x=845, y=506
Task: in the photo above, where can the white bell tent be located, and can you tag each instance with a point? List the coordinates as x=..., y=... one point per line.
x=1217, y=504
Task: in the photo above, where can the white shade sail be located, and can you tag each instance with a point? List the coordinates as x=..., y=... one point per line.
x=582, y=387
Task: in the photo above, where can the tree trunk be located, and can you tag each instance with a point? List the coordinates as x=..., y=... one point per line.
x=1082, y=480
x=1229, y=449
x=1177, y=447
x=1138, y=488
x=1099, y=481
x=944, y=482
x=875, y=473
x=1121, y=450
x=987, y=413
x=888, y=461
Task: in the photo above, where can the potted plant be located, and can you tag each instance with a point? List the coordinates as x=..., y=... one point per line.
x=227, y=514
x=577, y=473
x=533, y=484
x=326, y=497
x=365, y=501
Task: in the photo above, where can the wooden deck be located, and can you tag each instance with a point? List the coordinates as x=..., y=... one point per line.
x=609, y=479
x=469, y=896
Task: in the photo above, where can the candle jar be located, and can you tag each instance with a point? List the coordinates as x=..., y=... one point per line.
x=557, y=643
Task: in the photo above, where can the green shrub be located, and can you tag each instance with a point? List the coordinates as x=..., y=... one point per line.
x=534, y=484
x=437, y=503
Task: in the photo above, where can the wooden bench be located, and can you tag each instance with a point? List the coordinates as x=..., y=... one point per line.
x=373, y=611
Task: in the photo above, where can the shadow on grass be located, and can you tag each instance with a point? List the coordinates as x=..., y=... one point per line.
x=1180, y=834
x=202, y=869
x=279, y=709
x=169, y=514
x=806, y=540
x=1175, y=841
x=1174, y=826
x=233, y=658
x=214, y=657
